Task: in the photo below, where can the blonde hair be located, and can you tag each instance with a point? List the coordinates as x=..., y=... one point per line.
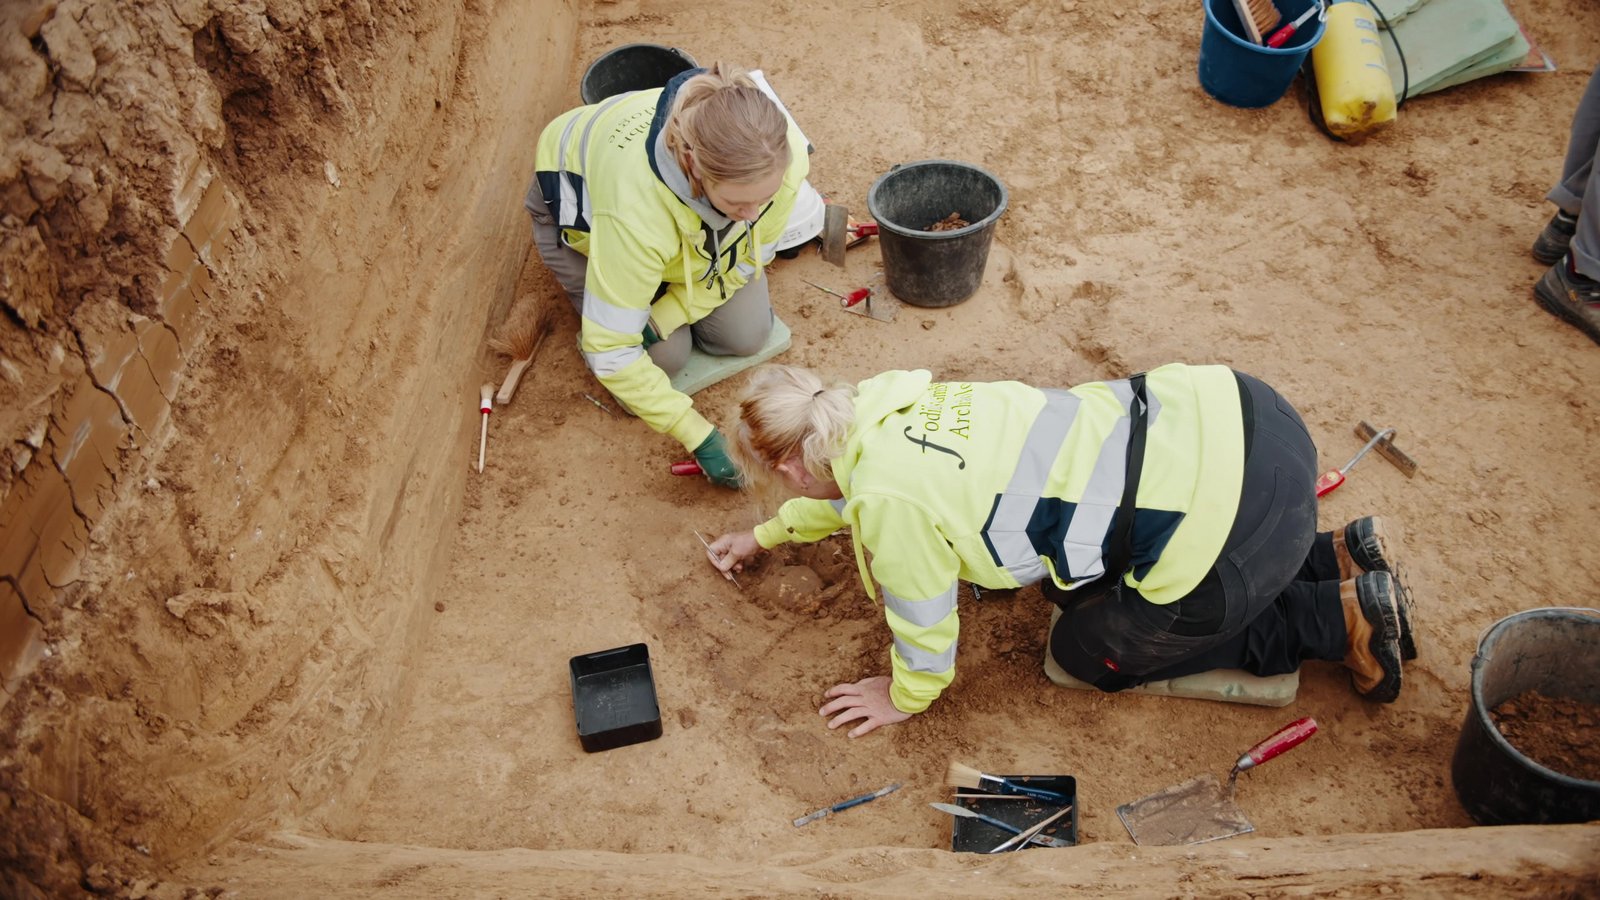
x=734, y=130
x=788, y=412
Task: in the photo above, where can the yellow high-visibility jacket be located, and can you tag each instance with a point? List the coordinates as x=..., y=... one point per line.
x=622, y=200
x=1002, y=484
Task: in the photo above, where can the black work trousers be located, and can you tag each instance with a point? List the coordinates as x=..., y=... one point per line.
x=1270, y=601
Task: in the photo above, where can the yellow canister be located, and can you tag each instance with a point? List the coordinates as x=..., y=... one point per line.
x=1352, y=78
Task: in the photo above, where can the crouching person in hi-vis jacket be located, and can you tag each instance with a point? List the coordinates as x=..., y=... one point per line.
x=1172, y=517
x=657, y=211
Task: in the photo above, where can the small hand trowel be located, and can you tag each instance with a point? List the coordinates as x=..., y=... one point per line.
x=1201, y=809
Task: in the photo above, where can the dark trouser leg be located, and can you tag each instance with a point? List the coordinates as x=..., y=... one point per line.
x=570, y=267
x=1306, y=621
x=1575, y=192
x=672, y=353
x=738, y=327
x=741, y=325
x=1252, y=610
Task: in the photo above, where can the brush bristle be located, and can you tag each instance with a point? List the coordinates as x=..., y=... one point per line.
x=520, y=334
x=962, y=775
x=1266, y=15
x=1256, y=17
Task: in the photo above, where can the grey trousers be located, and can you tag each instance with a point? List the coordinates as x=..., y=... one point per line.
x=739, y=327
x=1577, y=192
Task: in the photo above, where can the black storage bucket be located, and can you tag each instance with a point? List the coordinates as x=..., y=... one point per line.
x=1557, y=653
x=935, y=268
x=632, y=67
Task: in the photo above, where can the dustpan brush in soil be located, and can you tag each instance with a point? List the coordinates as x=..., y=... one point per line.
x=519, y=338
x=965, y=776
x=1258, y=17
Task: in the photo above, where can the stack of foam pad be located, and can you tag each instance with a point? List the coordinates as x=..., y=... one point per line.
x=1448, y=42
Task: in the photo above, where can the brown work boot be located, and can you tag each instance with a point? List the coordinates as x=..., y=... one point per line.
x=1372, y=624
x=1364, y=546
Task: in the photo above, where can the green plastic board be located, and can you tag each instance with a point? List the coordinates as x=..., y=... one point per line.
x=703, y=370
x=1444, y=39
x=1513, y=54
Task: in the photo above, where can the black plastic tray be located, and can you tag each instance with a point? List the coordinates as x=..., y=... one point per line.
x=975, y=836
x=614, y=698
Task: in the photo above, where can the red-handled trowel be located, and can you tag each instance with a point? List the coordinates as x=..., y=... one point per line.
x=1202, y=809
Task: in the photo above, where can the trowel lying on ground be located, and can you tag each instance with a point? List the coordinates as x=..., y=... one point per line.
x=1201, y=809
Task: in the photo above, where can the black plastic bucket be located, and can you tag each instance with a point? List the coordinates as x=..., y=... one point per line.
x=632, y=67
x=1557, y=653
x=935, y=268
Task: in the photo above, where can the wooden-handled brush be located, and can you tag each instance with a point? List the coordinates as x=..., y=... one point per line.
x=519, y=337
x=965, y=776
x=1258, y=17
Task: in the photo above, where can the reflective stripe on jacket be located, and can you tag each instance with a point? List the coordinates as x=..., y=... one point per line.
x=621, y=199
x=1002, y=484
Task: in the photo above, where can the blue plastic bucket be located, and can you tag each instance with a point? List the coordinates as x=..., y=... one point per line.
x=1239, y=72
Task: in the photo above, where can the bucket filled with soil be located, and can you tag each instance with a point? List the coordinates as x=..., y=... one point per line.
x=1529, y=752
x=936, y=221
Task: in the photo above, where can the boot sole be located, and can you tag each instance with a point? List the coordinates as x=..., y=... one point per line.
x=1373, y=559
x=1554, y=300
x=1385, y=641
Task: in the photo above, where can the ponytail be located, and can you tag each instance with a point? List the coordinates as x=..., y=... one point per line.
x=788, y=411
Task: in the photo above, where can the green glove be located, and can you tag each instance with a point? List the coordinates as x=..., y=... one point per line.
x=712, y=455
x=650, y=336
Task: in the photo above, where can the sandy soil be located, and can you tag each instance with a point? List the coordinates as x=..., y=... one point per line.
x=305, y=612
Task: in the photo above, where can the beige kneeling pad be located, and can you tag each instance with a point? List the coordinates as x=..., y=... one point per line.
x=703, y=370
x=1226, y=685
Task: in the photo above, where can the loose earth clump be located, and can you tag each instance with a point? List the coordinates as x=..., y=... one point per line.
x=1559, y=733
x=951, y=222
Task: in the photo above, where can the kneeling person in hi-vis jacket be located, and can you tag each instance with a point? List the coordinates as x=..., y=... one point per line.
x=657, y=211
x=1171, y=516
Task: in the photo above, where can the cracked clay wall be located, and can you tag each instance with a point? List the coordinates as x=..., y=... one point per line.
x=248, y=255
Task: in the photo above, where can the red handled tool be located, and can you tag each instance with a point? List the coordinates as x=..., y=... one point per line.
x=854, y=297
x=685, y=467
x=1286, y=738
x=1332, y=478
x=845, y=300
x=1282, y=35
x=1201, y=809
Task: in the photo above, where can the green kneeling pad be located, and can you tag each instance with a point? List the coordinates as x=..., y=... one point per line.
x=703, y=370
x=1226, y=685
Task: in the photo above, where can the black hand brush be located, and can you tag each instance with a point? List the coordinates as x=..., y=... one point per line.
x=965, y=776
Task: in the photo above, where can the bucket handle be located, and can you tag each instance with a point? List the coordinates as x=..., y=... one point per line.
x=1584, y=610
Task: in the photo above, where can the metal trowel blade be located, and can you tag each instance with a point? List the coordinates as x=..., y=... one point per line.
x=1193, y=812
x=835, y=232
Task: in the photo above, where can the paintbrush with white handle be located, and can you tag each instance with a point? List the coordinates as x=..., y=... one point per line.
x=964, y=776
x=485, y=406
